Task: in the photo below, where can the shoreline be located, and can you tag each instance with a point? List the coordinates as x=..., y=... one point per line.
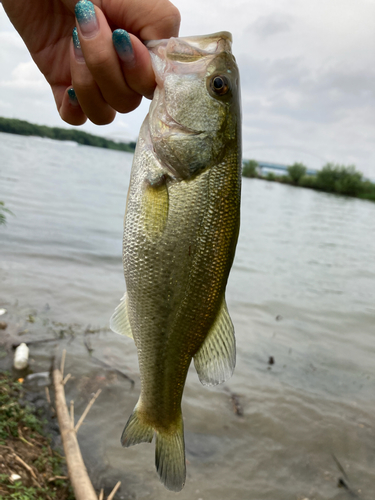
x=22, y=127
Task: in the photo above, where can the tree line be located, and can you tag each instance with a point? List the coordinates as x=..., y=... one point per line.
x=22, y=127
x=332, y=178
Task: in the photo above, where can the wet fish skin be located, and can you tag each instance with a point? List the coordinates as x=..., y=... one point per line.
x=180, y=233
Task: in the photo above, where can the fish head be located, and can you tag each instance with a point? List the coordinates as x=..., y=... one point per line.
x=195, y=116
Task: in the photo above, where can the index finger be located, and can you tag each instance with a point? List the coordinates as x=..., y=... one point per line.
x=146, y=19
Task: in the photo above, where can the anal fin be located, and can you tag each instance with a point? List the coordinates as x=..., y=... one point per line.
x=135, y=431
x=119, y=322
x=216, y=358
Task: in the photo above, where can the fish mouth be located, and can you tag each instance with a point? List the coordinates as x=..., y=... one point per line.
x=170, y=125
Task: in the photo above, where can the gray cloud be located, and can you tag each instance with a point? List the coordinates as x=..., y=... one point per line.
x=270, y=25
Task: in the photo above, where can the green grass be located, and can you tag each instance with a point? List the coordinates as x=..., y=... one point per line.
x=32, y=447
x=12, y=413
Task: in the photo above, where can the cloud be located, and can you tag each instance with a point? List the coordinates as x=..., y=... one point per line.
x=306, y=68
x=272, y=24
x=25, y=76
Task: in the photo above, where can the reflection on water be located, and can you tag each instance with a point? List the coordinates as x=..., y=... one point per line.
x=301, y=290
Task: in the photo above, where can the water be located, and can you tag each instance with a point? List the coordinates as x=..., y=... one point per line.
x=301, y=290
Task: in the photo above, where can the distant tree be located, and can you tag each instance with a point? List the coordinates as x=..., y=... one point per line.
x=270, y=176
x=340, y=179
x=296, y=172
x=308, y=181
x=14, y=126
x=250, y=168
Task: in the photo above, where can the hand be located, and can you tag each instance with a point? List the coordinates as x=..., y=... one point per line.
x=105, y=79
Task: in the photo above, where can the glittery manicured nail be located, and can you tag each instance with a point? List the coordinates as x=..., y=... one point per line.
x=77, y=46
x=72, y=97
x=85, y=14
x=123, y=45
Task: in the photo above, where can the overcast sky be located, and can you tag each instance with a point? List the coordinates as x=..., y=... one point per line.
x=307, y=70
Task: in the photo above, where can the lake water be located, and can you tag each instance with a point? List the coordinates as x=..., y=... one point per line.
x=302, y=290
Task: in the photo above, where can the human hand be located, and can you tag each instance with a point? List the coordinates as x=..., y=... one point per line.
x=105, y=79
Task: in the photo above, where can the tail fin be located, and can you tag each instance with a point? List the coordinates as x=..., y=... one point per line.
x=170, y=457
x=135, y=431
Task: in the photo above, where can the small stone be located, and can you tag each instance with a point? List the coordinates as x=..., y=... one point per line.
x=14, y=477
x=3, y=325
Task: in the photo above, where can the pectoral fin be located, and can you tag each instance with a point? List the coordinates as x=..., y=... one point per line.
x=155, y=205
x=119, y=322
x=216, y=359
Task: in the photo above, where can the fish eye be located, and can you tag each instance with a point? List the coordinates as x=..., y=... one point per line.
x=220, y=85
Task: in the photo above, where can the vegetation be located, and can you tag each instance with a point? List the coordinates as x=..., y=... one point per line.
x=250, y=168
x=30, y=469
x=21, y=127
x=339, y=179
x=332, y=178
x=296, y=172
x=3, y=211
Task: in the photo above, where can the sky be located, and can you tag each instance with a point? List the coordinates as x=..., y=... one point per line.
x=307, y=78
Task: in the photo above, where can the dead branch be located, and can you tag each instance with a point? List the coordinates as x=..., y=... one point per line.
x=62, y=365
x=72, y=411
x=113, y=492
x=83, y=489
x=83, y=416
x=27, y=467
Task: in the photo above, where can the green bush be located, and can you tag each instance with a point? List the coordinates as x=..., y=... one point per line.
x=339, y=179
x=250, y=168
x=308, y=181
x=296, y=172
x=270, y=176
x=368, y=191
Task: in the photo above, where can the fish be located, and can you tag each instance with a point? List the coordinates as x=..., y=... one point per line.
x=181, y=228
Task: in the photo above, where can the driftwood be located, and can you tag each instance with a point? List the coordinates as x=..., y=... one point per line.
x=82, y=486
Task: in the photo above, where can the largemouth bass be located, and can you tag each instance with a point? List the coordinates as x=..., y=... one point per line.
x=180, y=234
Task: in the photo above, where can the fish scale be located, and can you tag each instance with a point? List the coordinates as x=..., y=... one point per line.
x=180, y=234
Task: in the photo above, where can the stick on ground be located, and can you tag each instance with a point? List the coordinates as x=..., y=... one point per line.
x=83, y=489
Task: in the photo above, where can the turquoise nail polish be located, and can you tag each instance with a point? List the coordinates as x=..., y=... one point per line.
x=123, y=45
x=72, y=97
x=85, y=14
x=77, y=43
x=77, y=46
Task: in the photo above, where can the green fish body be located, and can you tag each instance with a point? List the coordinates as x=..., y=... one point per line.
x=180, y=233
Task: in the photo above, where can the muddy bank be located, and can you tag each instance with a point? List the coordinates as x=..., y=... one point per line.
x=31, y=464
x=32, y=461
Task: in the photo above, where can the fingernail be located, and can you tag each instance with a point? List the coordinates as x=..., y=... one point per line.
x=123, y=45
x=77, y=46
x=85, y=14
x=72, y=97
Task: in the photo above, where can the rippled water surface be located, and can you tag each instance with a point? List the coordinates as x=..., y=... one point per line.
x=302, y=291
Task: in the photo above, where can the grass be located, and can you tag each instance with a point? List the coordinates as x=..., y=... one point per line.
x=25, y=451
